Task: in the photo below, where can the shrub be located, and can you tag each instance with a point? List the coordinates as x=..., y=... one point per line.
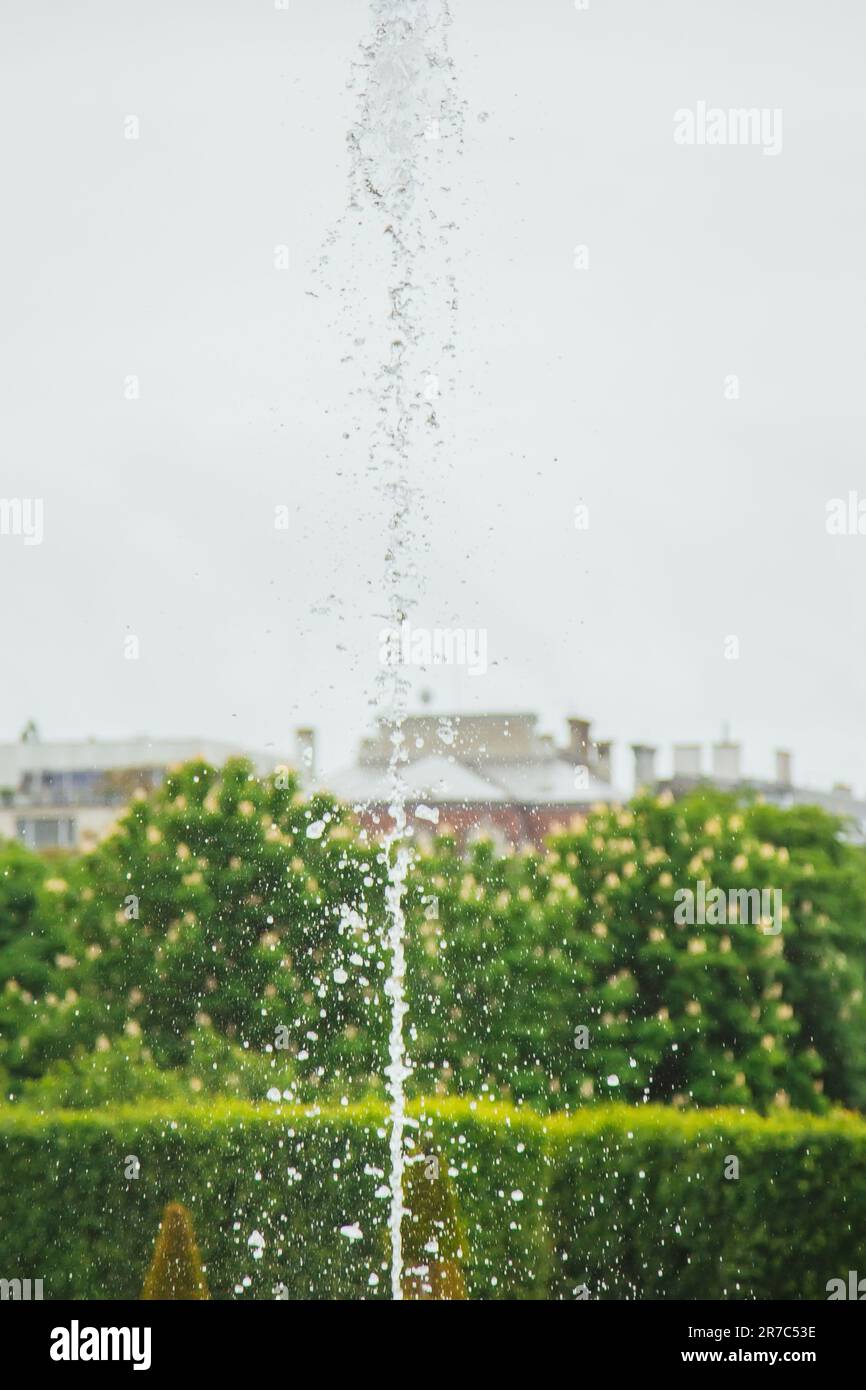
x=123, y=1071
x=633, y=1202
x=434, y=1244
x=175, y=1271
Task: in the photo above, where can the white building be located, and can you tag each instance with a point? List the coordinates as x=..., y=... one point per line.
x=495, y=774
x=68, y=794
x=725, y=772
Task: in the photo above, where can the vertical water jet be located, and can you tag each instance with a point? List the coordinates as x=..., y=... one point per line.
x=407, y=112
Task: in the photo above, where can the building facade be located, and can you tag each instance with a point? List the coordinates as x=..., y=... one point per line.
x=499, y=775
x=67, y=795
x=725, y=771
x=480, y=774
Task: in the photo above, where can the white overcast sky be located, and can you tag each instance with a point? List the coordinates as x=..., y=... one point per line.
x=601, y=386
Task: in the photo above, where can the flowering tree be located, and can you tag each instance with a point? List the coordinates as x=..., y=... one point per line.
x=223, y=905
x=231, y=931
x=565, y=975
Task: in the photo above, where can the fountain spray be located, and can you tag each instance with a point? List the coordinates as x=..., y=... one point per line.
x=408, y=112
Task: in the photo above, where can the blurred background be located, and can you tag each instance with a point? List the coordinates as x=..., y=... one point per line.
x=165, y=387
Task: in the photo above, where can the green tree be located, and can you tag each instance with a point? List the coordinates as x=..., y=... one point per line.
x=228, y=904
x=530, y=949
x=33, y=942
x=234, y=929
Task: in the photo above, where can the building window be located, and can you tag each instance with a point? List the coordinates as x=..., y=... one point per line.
x=47, y=833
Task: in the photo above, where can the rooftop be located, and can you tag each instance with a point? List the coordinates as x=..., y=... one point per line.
x=482, y=759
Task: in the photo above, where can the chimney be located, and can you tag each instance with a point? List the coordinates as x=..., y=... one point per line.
x=578, y=741
x=726, y=762
x=305, y=755
x=784, y=775
x=687, y=760
x=644, y=765
x=601, y=767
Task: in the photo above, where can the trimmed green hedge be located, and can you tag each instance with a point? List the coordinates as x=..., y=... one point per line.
x=633, y=1203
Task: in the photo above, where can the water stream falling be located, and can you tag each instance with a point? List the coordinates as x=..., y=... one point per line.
x=408, y=117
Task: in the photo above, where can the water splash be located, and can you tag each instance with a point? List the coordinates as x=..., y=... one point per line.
x=408, y=113
x=398, y=1069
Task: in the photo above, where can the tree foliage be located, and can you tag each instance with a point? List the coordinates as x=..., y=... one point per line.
x=231, y=932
